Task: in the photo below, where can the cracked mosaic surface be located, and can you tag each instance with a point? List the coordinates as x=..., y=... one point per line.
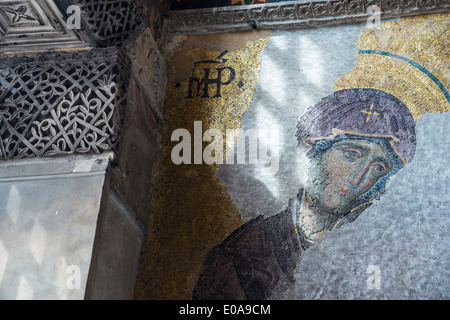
x=191, y=209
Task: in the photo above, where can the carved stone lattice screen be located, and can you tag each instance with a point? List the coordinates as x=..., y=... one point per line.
x=112, y=23
x=57, y=104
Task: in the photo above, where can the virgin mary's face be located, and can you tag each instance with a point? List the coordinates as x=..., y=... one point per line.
x=341, y=174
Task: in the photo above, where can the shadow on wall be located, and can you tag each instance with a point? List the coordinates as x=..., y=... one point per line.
x=298, y=69
x=192, y=210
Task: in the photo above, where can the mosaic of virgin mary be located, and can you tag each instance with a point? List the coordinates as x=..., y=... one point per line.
x=356, y=140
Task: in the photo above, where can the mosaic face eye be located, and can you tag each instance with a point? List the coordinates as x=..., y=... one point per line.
x=352, y=154
x=380, y=167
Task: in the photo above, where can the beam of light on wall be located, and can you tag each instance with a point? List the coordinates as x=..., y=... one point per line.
x=13, y=205
x=3, y=261
x=274, y=83
x=300, y=164
x=312, y=63
x=25, y=290
x=270, y=138
x=38, y=244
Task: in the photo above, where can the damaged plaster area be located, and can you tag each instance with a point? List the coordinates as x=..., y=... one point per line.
x=298, y=69
x=405, y=235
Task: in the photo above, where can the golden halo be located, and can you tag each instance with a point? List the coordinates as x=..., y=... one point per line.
x=408, y=59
